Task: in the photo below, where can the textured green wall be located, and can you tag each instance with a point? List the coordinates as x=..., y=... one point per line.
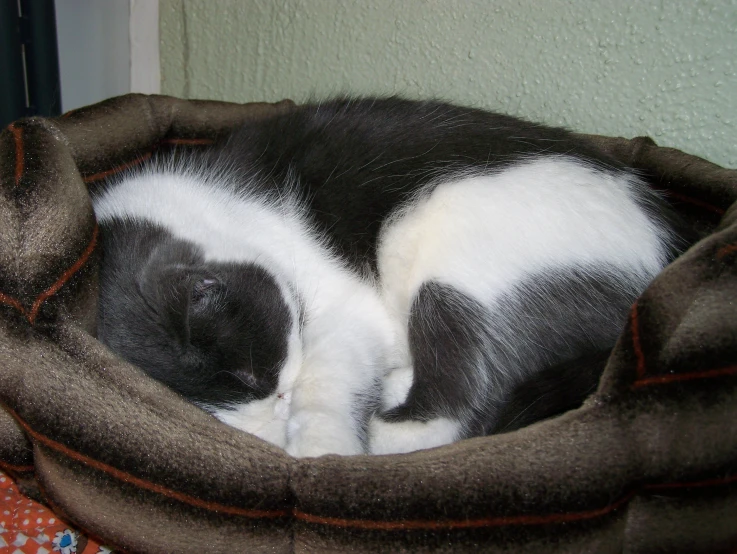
x=664, y=68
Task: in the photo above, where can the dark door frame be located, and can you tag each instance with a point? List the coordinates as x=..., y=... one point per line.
x=29, y=60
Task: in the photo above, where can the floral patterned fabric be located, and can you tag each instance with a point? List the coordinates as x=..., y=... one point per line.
x=27, y=527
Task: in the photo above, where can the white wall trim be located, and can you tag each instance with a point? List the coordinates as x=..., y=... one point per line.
x=145, y=65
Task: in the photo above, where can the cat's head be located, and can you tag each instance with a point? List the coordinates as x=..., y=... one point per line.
x=217, y=333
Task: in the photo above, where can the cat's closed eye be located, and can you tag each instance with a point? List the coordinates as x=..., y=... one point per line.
x=204, y=289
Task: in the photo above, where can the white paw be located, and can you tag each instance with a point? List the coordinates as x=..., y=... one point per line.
x=395, y=387
x=311, y=434
x=408, y=436
x=266, y=418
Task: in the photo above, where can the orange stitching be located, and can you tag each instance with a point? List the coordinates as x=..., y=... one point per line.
x=10, y=301
x=726, y=250
x=659, y=379
x=636, y=346
x=143, y=158
x=694, y=201
x=464, y=524
x=103, y=174
x=12, y=467
x=502, y=520
x=19, y=152
x=142, y=483
x=357, y=523
x=53, y=289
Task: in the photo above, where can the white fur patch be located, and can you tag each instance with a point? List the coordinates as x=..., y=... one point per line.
x=266, y=418
x=483, y=234
x=408, y=436
x=396, y=387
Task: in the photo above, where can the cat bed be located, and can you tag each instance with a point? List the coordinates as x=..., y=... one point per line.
x=649, y=463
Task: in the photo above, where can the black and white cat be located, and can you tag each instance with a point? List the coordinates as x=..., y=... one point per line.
x=378, y=275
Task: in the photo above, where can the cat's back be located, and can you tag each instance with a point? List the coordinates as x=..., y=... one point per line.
x=355, y=161
x=373, y=174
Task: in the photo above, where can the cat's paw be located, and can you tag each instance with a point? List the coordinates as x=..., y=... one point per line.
x=396, y=386
x=312, y=434
x=389, y=437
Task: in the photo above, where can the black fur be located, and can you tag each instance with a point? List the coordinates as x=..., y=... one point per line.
x=215, y=333
x=553, y=391
x=539, y=353
x=356, y=160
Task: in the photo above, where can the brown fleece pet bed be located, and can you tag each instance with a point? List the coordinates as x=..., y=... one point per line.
x=648, y=464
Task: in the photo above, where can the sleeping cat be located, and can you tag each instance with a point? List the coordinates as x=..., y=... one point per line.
x=378, y=275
